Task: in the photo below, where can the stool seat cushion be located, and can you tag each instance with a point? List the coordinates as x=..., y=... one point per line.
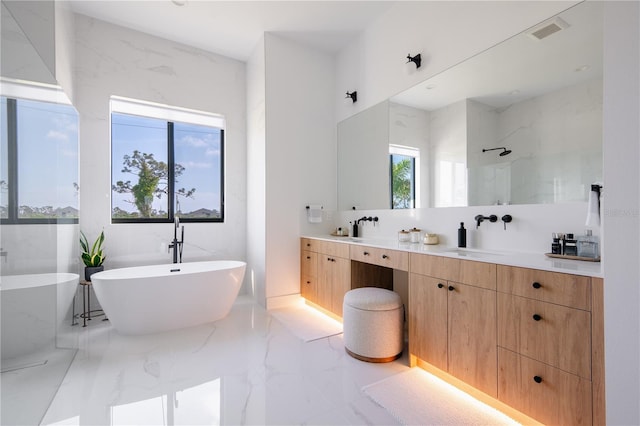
x=372, y=299
x=373, y=324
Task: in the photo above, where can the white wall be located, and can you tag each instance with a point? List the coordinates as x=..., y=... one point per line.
x=112, y=60
x=300, y=156
x=256, y=174
x=621, y=224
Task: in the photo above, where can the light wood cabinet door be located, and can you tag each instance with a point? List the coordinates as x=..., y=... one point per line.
x=309, y=275
x=334, y=275
x=428, y=319
x=340, y=283
x=547, y=394
x=472, y=336
x=553, y=334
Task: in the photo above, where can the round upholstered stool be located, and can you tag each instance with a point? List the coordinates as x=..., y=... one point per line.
x=373, y=324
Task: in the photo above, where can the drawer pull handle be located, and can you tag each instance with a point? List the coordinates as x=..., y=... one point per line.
x=537, y=379
x=451, y=288
x=308, y=245
x=440, y=285
x=384, y=256
x=366, y=253
x=308, y=282
x=536, y=285
x=537, y=317
x=309, y=257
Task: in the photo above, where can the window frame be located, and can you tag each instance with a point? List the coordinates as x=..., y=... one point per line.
x=164, y=113
x=13, y=208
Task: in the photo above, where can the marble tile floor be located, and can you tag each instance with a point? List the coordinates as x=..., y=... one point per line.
x=244, y=369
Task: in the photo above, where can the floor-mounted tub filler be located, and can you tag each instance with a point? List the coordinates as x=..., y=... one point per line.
x=154, y=298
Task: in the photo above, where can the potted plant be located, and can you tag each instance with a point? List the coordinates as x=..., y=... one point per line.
x=92, y=256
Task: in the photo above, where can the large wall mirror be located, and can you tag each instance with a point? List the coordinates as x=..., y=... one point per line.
x=520, y=123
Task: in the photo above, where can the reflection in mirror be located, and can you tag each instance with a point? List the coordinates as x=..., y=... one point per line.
x=540, y=98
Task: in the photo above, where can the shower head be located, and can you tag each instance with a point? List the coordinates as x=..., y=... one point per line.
x=502, y=154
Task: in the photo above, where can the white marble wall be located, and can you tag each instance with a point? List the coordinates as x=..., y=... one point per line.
x=557, y=144
x=112, y=60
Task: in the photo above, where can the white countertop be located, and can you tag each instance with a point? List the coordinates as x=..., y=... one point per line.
x=520, y=259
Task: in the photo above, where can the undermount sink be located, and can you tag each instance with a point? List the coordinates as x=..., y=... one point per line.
x=477, y=253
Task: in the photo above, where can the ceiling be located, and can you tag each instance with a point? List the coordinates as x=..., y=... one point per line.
x=233, y=28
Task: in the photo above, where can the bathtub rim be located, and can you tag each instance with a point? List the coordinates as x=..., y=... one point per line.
x=165, y=269
x=61, y=278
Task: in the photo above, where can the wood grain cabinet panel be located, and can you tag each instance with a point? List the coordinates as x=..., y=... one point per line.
x=562, y=289
x=427, y=317
x=452, y=326
x=547, y=394
x=479, y=274
x=309, y=275
x=472, y=336
x=553, y=334
x=393, y=259
x=325, y=273
x=444, y=268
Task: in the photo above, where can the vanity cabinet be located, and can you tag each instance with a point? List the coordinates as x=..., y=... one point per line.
x=325, y=273
x=531, y=339
x=545, y=345
x=452, y=318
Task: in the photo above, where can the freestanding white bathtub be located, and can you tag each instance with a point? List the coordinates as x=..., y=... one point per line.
x=149, y=299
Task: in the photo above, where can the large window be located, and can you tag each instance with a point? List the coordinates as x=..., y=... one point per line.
x=165, y=163
x=39, y=162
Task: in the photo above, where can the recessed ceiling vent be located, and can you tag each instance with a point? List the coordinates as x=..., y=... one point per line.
x=548, y=28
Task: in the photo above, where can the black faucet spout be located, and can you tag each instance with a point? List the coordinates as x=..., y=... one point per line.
x=480, y=218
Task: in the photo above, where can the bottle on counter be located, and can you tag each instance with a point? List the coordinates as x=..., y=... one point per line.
x=588, y=245
x=462, y=236
x=570, y=245
x=556, y=244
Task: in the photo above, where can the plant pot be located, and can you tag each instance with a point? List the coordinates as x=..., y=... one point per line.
x=90, y=270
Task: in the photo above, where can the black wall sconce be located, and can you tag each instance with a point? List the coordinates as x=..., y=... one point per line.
x=353, y=95
x=415, y=59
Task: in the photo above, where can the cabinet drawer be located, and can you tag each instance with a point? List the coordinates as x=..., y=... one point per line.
x=477, y=274
x=383, y=257
x=562, y=289
x=440, y=267
x=559, y=398
x=325, y=247
x=553, y=334
x=308, y=264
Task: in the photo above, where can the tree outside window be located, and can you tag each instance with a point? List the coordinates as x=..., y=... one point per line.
x=163, y=169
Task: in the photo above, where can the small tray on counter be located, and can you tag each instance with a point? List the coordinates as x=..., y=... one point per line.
x=564, y=256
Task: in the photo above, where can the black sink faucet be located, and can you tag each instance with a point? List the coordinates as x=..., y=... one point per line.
x=480, y=218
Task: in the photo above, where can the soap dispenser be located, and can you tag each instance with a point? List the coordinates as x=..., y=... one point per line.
x=462, y=236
